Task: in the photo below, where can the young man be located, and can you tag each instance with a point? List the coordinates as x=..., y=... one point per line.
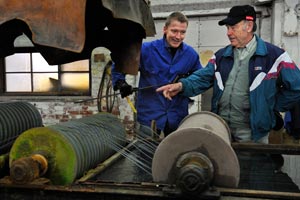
x=162, y=62
x=251, y=79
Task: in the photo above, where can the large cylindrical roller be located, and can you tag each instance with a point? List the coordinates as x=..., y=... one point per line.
x=69, y=149
x=15, y=118
x=197, y=154
x=207, y=120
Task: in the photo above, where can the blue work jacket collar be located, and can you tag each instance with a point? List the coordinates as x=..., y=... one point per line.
x=166, y=45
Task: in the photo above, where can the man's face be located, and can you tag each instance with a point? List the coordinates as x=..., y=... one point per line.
x=239, y=34
x=175, y=33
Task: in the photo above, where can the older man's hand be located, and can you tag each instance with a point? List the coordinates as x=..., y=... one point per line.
x=170, y=90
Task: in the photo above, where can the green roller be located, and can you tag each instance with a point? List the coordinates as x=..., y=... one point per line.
x=69, y=148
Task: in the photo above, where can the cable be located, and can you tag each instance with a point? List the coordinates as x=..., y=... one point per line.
x=109, y=93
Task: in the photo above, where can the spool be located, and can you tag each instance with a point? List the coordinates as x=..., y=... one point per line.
x=207, y=120
x=70, y=148
x=15, y=118
x=205, y=133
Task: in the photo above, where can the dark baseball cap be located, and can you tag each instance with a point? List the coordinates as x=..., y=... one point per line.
x=239, y=13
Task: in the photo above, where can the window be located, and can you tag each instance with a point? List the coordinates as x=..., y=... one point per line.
x=28, y=73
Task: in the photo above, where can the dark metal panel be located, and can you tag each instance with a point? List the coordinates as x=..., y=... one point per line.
x=139, y=12
x=53, y=23
x=66, y=31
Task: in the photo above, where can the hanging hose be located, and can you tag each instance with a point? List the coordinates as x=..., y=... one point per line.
x=109, y=93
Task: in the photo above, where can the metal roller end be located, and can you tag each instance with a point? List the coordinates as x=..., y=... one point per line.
x=194, y=173
x=27, y=169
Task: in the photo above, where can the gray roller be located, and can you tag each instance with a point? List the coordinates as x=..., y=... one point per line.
x=15, y=118
x=197, y=154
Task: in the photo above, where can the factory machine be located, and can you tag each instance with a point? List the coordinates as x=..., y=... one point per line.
x=70, y=155
x=92, y=157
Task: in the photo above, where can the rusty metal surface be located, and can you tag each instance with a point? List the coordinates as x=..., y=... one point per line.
x=53, y=23
x=61, y=24
x=258, y=194
x=66, y=31
x=128, y=192
x=139, y=12
x=87, y=190
x=290, y=149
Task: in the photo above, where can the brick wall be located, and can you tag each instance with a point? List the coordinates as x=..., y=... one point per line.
x=61, y=109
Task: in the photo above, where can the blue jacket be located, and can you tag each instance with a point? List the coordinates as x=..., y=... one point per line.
x=157, y=67
x=274, y=83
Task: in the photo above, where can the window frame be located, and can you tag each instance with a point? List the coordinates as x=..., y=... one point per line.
x=31, y=50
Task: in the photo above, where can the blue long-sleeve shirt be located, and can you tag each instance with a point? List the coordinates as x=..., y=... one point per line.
x=158, y=67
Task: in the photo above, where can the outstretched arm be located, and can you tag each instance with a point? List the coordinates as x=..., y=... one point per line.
x=170, y=90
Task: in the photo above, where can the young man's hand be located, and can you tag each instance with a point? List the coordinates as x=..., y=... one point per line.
x=124, y=87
